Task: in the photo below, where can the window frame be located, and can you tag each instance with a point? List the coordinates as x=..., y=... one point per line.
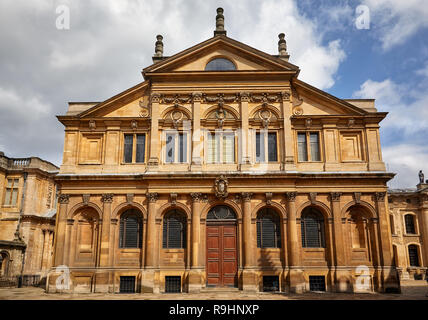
x=418, y=256
x=134, y=147
x=176, y=146
x=277, y=225
x=415, y=229
x=321, y=230
x=221, y=133
x=308, y=146
x=165, y=228
x=13, y=178
x=122, y=236
x=222, y=58
x=266, y=145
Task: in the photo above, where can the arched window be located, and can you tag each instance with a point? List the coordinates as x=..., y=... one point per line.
x=410, y=224
x=358, y=228
x=312, y=224
x=268, y=229
x=4, y=264
x=413, y=255
x=220, y=64
x=174, y=230
x=131, y=229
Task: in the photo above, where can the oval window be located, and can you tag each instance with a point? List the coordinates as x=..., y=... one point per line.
x=220, y=64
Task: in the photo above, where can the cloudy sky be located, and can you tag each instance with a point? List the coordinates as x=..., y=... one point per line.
x=110, y=41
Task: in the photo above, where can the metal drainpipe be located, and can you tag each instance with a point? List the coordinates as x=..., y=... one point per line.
x=18, y=228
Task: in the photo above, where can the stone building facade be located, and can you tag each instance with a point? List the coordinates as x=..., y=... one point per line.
x=223, y=169
x=408, y=213
x=27, y=217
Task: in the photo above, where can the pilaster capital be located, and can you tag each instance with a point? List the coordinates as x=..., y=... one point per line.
x=196, y=196
x=107, y=198
x=152, y=196
x=379, y=196
x=285, y=96
x=197, y=96
x=155, y=97
x=335, y=196
x=64, y=198
x=246, y=196
x=244, y=96
x=291, y=196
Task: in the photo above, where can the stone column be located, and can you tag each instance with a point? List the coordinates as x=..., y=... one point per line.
x=148, y=281
x=45, y=250
x=389, y=273
x=196, y=136
x=288, y=133
x=195, y=274
x=341, y=276
x=154, y=132
x=245, y=133
x=424, y=224
x=62, y=223
x=297, y=283
x=50, y=253
x=102, y=275
x=68, y=244
x=249, y=282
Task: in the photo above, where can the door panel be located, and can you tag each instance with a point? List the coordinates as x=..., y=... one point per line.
x=222, y=265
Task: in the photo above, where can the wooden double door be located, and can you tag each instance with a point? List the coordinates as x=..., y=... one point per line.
x=222, y=261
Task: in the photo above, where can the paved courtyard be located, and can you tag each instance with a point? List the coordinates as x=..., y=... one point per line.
x=411, y=290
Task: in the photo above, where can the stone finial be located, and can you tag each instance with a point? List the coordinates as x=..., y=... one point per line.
x=282, y=47
x=219, y=23
x=158, y=49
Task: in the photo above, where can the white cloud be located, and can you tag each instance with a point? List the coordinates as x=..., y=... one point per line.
x=406, y=160
x=396, y=21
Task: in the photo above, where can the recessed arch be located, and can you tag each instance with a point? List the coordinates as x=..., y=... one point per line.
x=215, y=203
x=228, y=108
x=269, y=107
x=324, y=209
x=370, y=209
x=76, y=209
x=128, y=205
x=273, y=205
x=169, y=206
x=170, y=109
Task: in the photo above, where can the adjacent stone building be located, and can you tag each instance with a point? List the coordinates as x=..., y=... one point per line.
x=223, y=169
x=409, y=228
x=27, y=218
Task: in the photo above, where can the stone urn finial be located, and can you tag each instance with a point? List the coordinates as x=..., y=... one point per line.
x=282, y=47
x=219, y=23
x=159, y=46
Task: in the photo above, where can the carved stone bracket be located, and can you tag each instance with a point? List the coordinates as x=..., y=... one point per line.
x=245, y=97
x=64, y=198
x=107, y=197
x=173, y=197
x=313, y=197
x=152, y=196
x=269, y=198
x=379, y=196
x=197, y=96
x=129, y=197
x=246, y=196
x=357, y=197
x=291, y=196
x=92, y=125
x=86, y=198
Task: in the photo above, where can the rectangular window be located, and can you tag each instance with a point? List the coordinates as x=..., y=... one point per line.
x=134, y=148
x=270, y=283
x=172, y=284
x=266, y=147
x=308, y=146
x=221, y=147
x=11, y=195
x=176, y=147
x=127, y=284
x=316, y=283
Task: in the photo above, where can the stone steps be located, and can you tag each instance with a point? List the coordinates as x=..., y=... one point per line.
x=220, y=290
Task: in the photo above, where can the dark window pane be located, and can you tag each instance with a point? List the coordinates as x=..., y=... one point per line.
x=268, y=229
x=130, y=230
x=260, y=147
x=221, y=213
x=410, y=224
x=170, y=147
x=182, y=152
x=220, y=64
x=413, y=255
x=174, y=230
x=127, y=155
x=312, y=228
x=302, y=147
x=141, y=148
x=272, y=148
x=315, y=146
x=316, y=283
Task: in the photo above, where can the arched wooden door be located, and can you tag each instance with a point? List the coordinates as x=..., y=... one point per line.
x=222, y=255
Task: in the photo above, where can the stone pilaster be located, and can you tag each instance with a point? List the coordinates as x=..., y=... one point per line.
x=63, y=200
x=289, y=164
x=196, y=136
x=195, y=274
x=153, y=162
x=151, y=263
x=245, y=133
x=249, y=279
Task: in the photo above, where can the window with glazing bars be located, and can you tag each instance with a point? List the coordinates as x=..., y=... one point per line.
x=413, y=255
x=268, y=229
x=127, y=284
x=11, y=195
x=410, y=224
x=270, y=283
x=134, y=148
x=174, y=230
x=176, y=147
x=316, y=283
x=308, y=146
x=173, y=284
x=266, y=147
x=130, y=230
x=312, y=228
x=221, y=147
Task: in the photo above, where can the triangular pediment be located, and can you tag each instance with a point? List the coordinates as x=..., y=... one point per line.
x=243, y=56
